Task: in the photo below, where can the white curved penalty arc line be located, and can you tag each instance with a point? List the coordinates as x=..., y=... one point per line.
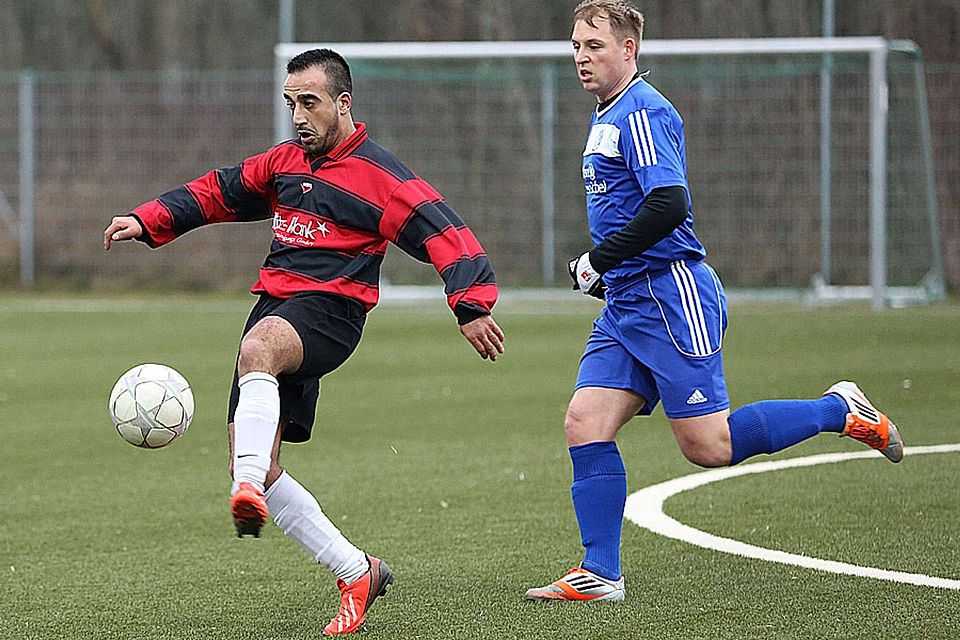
x=645, y=508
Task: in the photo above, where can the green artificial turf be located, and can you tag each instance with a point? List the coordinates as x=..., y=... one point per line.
x=455, y=471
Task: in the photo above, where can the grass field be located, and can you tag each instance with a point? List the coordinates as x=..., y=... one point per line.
x=455, y=471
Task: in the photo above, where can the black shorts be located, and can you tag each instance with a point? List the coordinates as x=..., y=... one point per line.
x=329, y=325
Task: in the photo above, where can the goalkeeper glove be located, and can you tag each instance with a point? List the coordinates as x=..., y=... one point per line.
x=586, y=280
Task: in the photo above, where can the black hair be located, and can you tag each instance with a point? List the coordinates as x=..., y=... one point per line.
x=333, y=65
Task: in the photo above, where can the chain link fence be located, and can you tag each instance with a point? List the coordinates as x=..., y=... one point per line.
x=106, y=142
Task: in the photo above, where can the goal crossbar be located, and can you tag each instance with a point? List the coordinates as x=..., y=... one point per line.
x=560, y=48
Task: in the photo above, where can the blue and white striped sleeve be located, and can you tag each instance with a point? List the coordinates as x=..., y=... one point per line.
x=652, y=147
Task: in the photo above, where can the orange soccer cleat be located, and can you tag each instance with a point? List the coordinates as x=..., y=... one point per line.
x=866, y=424
x=579, y=585
x=357, y=597
x=249, y=510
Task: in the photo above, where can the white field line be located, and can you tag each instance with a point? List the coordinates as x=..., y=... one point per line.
x=645, y=508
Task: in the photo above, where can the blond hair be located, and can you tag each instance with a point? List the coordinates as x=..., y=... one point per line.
x=626, y=21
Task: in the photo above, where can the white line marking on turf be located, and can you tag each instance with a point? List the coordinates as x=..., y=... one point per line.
x=645, y=508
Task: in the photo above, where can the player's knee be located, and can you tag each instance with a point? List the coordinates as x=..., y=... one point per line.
x=579, y=428
x=254, y=356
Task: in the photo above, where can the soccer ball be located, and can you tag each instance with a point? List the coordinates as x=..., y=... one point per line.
x=151, y=405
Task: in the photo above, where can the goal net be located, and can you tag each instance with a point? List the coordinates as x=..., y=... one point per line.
x=809, y=159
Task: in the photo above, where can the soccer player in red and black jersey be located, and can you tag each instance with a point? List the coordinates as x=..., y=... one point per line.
x=336, y=199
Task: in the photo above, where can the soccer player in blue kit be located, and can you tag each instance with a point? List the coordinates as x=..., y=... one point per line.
x=658, y=339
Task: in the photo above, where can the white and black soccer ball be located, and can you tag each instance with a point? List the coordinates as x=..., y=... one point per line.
x=151, y=405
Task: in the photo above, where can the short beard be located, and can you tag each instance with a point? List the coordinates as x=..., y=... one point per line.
x=324, y=142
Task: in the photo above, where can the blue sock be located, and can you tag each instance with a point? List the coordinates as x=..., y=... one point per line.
x=599, y=492
x=774, y=425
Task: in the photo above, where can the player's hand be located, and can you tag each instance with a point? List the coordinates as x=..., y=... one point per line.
x=586, y=280
x=485, y=336
x=121, y=228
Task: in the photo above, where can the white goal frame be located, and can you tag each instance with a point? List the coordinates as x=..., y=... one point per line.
x=878, y=292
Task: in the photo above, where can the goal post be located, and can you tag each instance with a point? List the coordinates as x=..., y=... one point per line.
x=753, y=115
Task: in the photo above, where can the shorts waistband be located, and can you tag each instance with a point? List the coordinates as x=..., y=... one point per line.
x=340, y=305
x=642, y=276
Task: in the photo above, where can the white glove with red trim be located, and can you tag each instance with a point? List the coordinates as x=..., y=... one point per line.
x=586, y=280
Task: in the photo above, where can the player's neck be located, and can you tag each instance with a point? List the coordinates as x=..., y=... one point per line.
x=618, y=89
x=347, y=129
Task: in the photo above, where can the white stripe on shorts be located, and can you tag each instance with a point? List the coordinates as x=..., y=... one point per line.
x=692, y=309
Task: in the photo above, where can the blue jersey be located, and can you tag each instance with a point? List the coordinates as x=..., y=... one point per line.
x=636, y=145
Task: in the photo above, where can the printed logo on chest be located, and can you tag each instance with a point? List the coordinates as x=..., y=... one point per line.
x=298, y=229
x=590, y=183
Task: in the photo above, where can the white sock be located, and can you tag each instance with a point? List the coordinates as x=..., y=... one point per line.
x=298, y=513
x=255, y=428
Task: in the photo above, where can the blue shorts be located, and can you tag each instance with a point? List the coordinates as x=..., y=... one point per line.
x=661, y=339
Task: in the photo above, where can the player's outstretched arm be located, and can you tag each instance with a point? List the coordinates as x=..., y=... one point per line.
x=485, y=336
x=121, y=228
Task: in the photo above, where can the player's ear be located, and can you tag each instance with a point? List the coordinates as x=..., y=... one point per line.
x=630, y=48
x=344, y=102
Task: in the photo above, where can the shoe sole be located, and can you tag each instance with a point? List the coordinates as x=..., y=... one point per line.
x=894, y=449
x=248, y=528
x=608, y=597
x=247, y=520
x=386, y=579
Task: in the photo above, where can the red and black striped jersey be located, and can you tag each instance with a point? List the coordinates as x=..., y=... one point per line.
x=332, y=218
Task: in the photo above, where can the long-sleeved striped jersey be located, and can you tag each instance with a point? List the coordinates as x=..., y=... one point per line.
x=332, y=218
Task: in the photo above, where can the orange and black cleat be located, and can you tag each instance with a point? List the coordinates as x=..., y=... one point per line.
x=866, y=424
x=357, y=597
x=579, y=585
x=249, y=510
